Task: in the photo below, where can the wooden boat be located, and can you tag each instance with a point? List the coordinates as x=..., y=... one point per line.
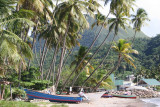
x=106, y=96
x=53, y=98
x=124, y=96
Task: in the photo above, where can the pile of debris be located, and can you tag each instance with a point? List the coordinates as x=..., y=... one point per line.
x=139, y=93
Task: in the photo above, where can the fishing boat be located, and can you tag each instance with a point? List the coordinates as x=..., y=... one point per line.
x=52, y=98
x=124, y=96
x=106, y=96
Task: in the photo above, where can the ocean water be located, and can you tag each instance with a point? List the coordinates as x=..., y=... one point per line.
x=153, y=101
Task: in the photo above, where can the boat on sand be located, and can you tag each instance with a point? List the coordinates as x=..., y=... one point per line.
x=52, y=98
x=124, y=96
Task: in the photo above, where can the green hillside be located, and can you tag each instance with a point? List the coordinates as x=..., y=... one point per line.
x=89, y=34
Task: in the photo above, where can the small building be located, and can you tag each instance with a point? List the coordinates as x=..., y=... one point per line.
x=119, y=84
x=149, y=82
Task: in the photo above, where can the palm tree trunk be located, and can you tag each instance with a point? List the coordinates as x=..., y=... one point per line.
x=56, y=2
x=109, y=73
x=42, y=56
x=134, y=36
x=33, y=44
x=69, y=53
x=36, y=56
x=76, y=76
x=3, y=91
x=64, y=85
x=52, y=62
x=62, y=56
x=54, y=69
x=45, y=54
x=100, y=63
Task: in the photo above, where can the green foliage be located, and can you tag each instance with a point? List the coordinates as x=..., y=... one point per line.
x=40, y=84
x=16, y=104
x=62, y=105
x=17, y=92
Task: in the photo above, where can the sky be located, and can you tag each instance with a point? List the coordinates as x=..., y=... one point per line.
x=152, y=7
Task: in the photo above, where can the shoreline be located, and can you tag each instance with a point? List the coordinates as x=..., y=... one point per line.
x=97, y=101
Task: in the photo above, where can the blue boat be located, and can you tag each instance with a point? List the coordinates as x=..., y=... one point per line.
x=52, y=98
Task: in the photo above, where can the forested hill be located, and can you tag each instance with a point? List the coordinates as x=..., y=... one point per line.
x=89, y=34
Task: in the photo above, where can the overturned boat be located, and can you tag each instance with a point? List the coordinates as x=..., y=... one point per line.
x=52, y=98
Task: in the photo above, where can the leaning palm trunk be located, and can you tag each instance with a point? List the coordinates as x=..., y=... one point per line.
x=69, y=53
x=42, y=56
x=76, y=77
x=64, y=85
x=45, y=54
x=100, y=63
x=52, y=62
x=109, y=73
x=54, y=69
x=62, y=56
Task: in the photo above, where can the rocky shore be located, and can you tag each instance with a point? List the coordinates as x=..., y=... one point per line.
x=140, y=93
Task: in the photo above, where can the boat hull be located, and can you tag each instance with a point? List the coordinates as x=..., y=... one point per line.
x=106, y=96
x=124, y=96
x=53, y=98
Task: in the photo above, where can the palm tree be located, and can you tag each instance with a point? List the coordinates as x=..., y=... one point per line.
x=6, y=7
x=139, y=20
x=125, y=5
x=113, y=6
x=70, y=13
x=123, y=49
x=107, y=84
x=115, y=23
x=100, y=19
x=78, y=58
x=13, y=50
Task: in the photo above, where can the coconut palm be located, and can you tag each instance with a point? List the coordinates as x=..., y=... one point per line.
x=139, y=20
x=70, y=13
x=113, y=6
x=13, y=50
x=107, y=84
x=78, y=58
x=125, y=5
x=6, y=7
x=117, y=22
x=99, y=20
x=123, y=49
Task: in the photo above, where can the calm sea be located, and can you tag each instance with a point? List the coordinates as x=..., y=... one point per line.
x=153, y=101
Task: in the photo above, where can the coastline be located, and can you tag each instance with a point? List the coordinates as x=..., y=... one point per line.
x=97, y=101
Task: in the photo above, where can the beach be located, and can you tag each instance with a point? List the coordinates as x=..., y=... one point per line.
x=97, y=101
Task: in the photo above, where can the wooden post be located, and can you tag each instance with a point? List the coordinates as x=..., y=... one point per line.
x=11, y=91
x=0, y=92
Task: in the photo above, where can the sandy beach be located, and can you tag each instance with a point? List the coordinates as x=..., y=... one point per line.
x=96, y=101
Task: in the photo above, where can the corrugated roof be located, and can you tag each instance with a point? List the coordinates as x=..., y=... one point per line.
x=151, y=81
x=119, y=82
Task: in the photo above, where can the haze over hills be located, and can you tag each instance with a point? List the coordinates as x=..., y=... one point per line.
x=89, y=34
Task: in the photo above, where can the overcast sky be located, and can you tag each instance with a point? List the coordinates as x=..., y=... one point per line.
x=152, y=7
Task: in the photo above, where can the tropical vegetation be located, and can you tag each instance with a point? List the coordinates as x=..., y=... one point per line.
x=71, y=43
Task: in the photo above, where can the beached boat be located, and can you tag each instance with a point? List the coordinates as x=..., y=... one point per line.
x=124, y=96
x=53, y=98
x=106, y=96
